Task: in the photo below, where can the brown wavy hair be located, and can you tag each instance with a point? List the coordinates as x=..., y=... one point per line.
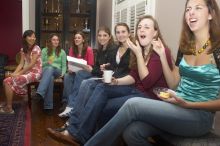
x=85, y=45
x=133, y=60
x=106, y=30
x=50, y=47
x=26, y=34
x=187, y=36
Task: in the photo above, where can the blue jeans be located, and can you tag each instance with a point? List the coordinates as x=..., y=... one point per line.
x=111, y=109
x=85, y=91
x=67, y=86
x=140, y=118
x=86, y=113
x=45, y=88
x=79, y=77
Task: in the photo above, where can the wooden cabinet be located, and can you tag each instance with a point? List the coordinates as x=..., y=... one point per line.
x=65, y=17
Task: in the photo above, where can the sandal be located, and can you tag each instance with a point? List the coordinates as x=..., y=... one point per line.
x=6, y=111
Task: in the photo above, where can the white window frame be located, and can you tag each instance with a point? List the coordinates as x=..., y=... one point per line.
x=127, y=4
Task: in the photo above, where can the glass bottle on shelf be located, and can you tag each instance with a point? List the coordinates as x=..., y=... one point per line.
x=57, y=24
x=74, y=26
x=46, y=23
x=46, y=6
x=52, y=6
x=58, y=6
x=86, y=26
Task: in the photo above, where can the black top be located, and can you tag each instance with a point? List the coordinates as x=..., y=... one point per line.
x=109, y=56
x=103, y=57
x=121, y=69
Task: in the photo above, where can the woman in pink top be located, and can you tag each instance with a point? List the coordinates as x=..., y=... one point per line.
x=79, y=49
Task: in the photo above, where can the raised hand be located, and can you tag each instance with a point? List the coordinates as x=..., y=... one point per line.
x=135, y=48
x=158, y=47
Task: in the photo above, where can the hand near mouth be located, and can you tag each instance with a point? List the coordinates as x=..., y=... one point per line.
x=135, y=48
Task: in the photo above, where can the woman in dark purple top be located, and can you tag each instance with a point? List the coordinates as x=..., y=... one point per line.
x=146, y=73
x=154, y=78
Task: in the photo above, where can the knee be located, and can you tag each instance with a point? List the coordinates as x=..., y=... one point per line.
x=5, y=83
x=132, y=134
x=86, y=82
x=100, y=86
x=80, y=73
x=48, y=69
x=132, y=102
x=67, y=76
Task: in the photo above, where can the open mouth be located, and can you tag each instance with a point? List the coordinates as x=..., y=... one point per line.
x=193, y=20
x=142, y=36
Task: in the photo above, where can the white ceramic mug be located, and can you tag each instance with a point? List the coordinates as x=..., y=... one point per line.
x=107, y=76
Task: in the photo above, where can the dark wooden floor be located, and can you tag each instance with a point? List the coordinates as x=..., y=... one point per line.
x=40, y=121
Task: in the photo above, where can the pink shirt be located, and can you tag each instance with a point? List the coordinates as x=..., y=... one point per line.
x=89, y=56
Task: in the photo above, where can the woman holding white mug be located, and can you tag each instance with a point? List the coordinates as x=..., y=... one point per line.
x=107, y=76
x=109, y=57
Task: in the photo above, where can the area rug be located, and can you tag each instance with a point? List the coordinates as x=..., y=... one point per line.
x=15, y=129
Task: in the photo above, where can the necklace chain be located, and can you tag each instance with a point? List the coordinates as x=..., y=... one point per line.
x=208, y=42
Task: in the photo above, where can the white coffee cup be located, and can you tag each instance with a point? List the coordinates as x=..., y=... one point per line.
x=107, y=76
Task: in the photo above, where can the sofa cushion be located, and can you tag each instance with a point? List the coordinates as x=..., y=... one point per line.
x=209, y=139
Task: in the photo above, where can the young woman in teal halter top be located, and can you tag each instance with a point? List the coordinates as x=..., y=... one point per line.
x=196, y=80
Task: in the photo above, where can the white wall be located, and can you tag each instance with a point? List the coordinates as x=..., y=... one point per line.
x=32, y=14
x=25, y=15
x=104, y=13
x=28, y=15
x=169, y=16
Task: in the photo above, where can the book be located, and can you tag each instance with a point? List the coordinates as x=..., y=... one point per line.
x=76, y=64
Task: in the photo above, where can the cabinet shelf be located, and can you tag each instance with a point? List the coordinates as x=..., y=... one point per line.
x=79, y=14
x=51, y=31
x=74, y=31
x=67, y=21
x=51, y=14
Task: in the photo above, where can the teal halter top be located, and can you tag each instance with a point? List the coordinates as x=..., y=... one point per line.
x=198, y=83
